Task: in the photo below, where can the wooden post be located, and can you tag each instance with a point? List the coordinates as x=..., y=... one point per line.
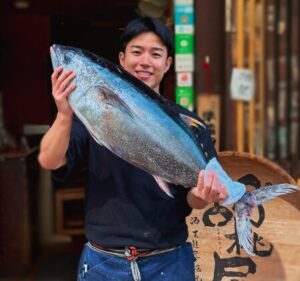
x=298, y=135
x=251, y=42
x=276, y=75
x=289, y=79
x=262, y=78
x=240, y=64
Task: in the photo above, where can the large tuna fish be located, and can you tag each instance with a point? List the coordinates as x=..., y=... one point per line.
x=138, y=125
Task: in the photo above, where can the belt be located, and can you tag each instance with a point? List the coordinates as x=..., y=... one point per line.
x=131, y=253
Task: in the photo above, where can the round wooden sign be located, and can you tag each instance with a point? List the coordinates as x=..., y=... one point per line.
x=275, y=226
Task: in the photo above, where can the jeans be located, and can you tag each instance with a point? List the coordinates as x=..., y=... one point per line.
x=176, y=265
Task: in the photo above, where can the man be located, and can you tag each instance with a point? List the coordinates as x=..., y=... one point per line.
x=134, y=230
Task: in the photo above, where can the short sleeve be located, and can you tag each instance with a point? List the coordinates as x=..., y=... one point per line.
x=76, y=153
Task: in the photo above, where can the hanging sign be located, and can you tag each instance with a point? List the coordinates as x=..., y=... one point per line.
x=184, y=44
x=185, y=97
x=242, y=84
x=184, y=62
x=184, y=29
x=184, y=14
x=184, y=79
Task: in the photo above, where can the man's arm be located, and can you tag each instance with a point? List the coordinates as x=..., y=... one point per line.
x=55, y=142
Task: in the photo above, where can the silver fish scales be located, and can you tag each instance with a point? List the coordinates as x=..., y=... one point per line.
x=126, y=116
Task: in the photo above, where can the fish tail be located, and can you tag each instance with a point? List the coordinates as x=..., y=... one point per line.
x=163, y=186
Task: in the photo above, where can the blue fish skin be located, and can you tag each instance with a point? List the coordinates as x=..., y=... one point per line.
x=126, y=116
x=138, y=125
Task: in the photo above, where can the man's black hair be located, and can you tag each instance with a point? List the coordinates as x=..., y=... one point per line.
x=147, y=24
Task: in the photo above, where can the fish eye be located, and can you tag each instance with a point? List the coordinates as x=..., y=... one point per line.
x=68, y=57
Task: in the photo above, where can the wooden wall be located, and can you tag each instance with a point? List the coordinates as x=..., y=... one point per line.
x=23, y=66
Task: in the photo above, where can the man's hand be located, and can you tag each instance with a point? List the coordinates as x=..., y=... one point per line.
x=208, y=190
x=55, y=142
x=62, y=88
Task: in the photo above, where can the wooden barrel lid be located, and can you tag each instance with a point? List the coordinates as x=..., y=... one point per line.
x=275, y=225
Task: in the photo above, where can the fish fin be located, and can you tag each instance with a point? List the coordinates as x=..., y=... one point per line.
x=271, y=191
x=197, y=131
x=243, y=227
x=95, y=138
x=192, y=122
x=163, y=185
x=109, y=97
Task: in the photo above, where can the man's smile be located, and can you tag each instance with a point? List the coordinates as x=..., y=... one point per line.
x=142, y=74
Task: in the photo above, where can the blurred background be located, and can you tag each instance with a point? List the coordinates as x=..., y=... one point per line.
x=236, y=65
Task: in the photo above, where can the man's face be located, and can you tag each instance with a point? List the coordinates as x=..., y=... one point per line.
x=146, y=58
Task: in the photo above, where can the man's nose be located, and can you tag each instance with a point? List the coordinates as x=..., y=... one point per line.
x=145, y=59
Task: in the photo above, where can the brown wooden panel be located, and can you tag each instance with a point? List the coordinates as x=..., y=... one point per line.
x=210, y=44
x=209, y=33
x=17, y=211
x=24, y=56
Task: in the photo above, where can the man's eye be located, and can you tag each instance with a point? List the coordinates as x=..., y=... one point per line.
x=157, y=55
x=136, y=53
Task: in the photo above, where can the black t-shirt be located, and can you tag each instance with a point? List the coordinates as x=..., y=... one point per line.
x=124, y=205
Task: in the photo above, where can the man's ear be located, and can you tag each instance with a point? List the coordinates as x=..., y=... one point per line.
x=168, y=64
x=121, y=58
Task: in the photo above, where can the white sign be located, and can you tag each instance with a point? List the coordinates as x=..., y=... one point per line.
x=184, y=62
x=184, y=29
x=184, y=79
x=242, y=84
x=183, y=2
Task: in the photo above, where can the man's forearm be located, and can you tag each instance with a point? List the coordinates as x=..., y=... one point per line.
x=55, y=143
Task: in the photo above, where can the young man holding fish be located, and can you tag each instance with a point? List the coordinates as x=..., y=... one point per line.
x=134, y=230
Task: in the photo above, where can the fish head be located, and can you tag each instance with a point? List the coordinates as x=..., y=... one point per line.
x=97, y=93
x=63, y=55
x=80, y=61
